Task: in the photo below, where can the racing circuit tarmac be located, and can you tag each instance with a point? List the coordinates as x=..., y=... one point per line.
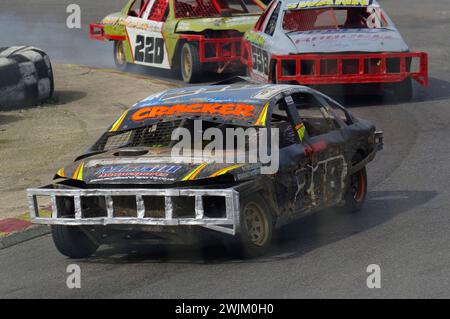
x=404, y=226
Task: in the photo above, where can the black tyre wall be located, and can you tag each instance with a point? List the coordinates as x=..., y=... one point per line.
x=72, y=242
x=26, y=76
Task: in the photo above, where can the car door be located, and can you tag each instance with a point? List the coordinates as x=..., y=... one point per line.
x=261, y=39
x=144, y=26
x=313, y=164
x=326, y=148
x=294, y=175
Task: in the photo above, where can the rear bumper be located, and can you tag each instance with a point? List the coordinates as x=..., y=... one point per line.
x=216, y=49
x=107, y=213
x=97, y=32
x=316, y=69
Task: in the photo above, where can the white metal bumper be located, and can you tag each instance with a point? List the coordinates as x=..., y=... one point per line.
x=229, y=224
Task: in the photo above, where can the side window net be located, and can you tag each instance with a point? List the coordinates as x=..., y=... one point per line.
x=195, y=8
x=314, y=115
x=156, y=135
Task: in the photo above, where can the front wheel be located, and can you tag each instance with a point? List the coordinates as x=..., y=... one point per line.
x=72, y=242
x=256, y=226
x=119, y=56
x=191, y=67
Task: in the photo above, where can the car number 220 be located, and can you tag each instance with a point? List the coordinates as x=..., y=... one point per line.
x=149, y=50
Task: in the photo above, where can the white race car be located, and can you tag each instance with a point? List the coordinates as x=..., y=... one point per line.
x=323, y=42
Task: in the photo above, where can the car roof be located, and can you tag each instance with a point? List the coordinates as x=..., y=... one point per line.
x=310, y=4
x=236, y=104
x=225, y=93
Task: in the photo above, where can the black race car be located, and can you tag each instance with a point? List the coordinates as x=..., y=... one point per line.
x=135, y=183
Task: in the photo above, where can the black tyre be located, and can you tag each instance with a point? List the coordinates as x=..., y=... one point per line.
x=72, y=242
x=26, y=76
x=119, y=56
x=356, y=192
x=191, y=68
x=256, y=226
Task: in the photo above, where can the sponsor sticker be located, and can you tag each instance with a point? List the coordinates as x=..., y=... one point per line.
x=125, y=171
x=221, y=109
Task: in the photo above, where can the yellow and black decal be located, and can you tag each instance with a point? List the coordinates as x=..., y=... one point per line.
x=261, y=121
x=193, y=173
x=225, y=170
x=78, y=174
x=119, y=122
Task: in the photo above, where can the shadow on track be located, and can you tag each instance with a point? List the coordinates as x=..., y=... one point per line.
x=292, y=241
x=65, y=97
x=175, y=76
x=59, y=98
x=330, y=226
x=437, y=90
x=6, y=119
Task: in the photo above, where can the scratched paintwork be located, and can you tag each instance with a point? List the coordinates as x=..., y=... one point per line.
x=314, y=169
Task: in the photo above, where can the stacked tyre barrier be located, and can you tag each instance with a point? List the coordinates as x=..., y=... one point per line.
x=26, y=76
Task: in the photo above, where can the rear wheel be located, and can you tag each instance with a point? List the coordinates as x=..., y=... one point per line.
x=191, y=67
x=72, y=242
x=119, y=55
x=256, y=226
x=356, y=192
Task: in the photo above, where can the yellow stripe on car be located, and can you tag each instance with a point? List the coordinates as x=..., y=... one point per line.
x=193, y=174
x=117, y=124
x=78, y=175
x=60, y=172
x=225, y=170
x=263, y=115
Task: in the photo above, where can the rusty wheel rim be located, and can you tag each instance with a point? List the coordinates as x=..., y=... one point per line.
x=358, y=186
x=257, y=224
x=120, y=55
x=187, y=63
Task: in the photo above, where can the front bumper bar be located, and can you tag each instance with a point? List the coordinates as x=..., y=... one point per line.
x=228, y=224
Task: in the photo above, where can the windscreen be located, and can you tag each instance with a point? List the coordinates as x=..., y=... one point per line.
x=334, y=18
x=164, y=134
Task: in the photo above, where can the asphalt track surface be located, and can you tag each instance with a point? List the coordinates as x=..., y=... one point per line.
x=404, y=226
